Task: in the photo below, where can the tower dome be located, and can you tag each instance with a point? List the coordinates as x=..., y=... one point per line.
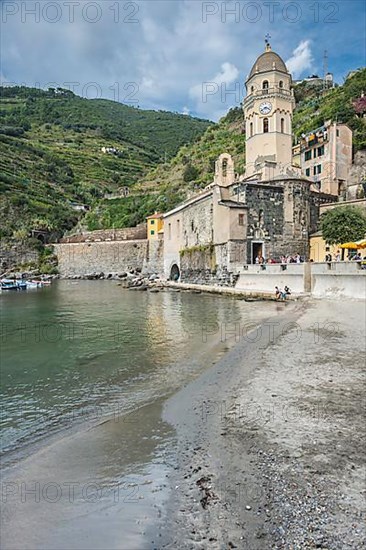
x=268, y=61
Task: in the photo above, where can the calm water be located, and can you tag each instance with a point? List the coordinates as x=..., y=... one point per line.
x=80, y=351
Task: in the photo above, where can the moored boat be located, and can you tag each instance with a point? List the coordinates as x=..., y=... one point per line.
x=9, y=284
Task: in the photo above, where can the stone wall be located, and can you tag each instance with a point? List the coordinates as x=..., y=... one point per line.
x=154, y=261
x=126, y=234
x=80, y=259
x=206, y=265
x=17, y=255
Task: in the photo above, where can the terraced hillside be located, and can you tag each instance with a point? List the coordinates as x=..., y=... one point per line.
x=51, y=153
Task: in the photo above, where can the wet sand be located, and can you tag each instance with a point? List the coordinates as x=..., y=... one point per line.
x=262, y=450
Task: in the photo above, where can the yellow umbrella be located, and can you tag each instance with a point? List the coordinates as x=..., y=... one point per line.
x=361, y=243
x=354, y=246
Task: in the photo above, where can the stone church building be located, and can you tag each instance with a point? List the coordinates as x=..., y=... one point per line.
x=267, y=212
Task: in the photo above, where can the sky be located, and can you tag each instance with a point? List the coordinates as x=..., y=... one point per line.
x=186, y=56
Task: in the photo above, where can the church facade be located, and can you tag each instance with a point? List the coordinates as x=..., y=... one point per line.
x=267, y=212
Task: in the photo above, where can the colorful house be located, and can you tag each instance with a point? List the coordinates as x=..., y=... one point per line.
x=155, y=226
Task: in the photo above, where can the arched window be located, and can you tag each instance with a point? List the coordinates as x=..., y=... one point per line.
x=224, y=168
x=252, y=89
x=265, y=125
x=265, y=85
x=251, y=129
x=280, y=84
x=282, y=125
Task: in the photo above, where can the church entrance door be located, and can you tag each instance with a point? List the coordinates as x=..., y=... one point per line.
x=257, y=250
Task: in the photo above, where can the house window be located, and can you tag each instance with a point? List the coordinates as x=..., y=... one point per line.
x=319, y=169
x=282, y=125
x=252, y=89
x=224, y=168
x=280, y=84
x=152, y=222
x=307, y=172
x=337, y=133
x=241, y=219
x=265, y=126
x=315, y=153
x=307, y=155
x=152, y=232
x=320, y=151
x=251, y=129
x=265, y=85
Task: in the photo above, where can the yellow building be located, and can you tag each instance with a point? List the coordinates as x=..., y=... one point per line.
x=155, y=225
x=319, y=248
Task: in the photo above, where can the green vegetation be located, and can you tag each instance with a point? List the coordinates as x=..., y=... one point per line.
x=199, y=248
x=50, y=149
x=129, y=211
x=343, y=224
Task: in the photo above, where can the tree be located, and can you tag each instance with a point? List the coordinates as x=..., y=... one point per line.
x=343, y=224
x=190, y=173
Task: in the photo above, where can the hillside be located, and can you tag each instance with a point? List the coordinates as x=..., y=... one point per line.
x=193, y=166
x=50, y=149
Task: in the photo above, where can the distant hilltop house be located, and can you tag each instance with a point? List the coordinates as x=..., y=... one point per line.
x=317, y=81
x=79, y=207
x=111, y=150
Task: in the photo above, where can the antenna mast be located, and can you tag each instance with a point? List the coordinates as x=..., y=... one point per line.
x=325, y=69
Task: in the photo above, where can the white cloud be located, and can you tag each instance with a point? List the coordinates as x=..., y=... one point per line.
x=215, y=95
x=301, y=59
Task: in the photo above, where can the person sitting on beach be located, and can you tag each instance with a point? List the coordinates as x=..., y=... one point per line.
x=287, y=291
x=278, y=293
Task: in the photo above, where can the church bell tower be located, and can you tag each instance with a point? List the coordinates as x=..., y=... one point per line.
x=268, y=108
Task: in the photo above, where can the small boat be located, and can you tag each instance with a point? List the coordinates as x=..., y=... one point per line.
x=21, y=285
x=9, y=284
x=33, y=284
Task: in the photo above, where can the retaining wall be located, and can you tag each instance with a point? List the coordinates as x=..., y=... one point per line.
x=80, y=259
x=327, y=279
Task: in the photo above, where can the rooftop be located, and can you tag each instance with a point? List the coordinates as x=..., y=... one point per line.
x=268, y=61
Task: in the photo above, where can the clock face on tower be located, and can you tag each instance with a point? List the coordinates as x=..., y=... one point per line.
x=265, y=108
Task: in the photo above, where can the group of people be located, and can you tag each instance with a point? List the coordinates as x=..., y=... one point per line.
x=352, y=257
x=294, y=259
x=282, y=294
